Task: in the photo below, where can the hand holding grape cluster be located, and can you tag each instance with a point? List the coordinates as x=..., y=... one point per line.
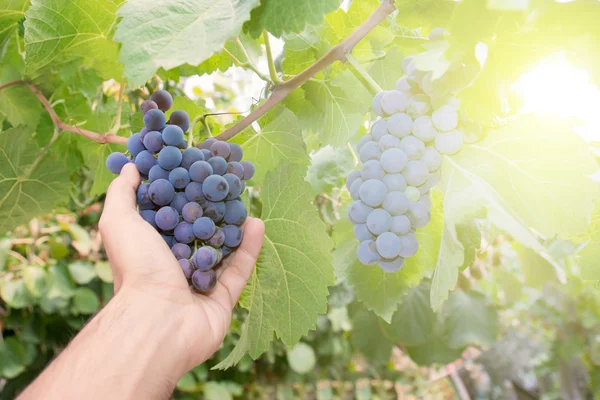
x=401, y=159
x=190, y=195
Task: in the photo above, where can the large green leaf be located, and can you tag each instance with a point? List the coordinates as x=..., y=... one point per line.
x=36, y=280
x=278, y=141
x=18, y=104
x=288, y=289
x=413, y=323
x=329, y=168
x=15, y=294
x=82, y=272
x=61, y=30
x=282, y=16
x=169, y=33
x=85, y=301
x=12, y=358
x=11, y=12
x=369, y=337
x=32, y=182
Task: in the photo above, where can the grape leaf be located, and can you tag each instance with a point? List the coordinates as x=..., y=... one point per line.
x=289, y=286
x=85, y=301
x=329, y=167
x=413, y=323
x=387, y=70
x=587, y=259
x=161, y=33
x=279, y=140
x=379, y=290
x=18, y=104
x=369, y=337
x=62, y=30
x=435, y=351
x=11, y=12
x=32, y=182
x=283, y=16
x=12, y=358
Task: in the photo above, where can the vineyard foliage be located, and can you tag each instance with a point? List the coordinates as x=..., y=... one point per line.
x=72, y=76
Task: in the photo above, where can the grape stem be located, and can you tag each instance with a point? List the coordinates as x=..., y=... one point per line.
x=117, y=124
x=247, y=64
x=336, y=53
x=363, y=75
x=272, y=71
x=102, y=138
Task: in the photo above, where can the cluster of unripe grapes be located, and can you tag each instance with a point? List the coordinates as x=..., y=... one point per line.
x=401, y=158
x=189, y=195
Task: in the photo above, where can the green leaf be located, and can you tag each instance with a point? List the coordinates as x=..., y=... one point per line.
x=278, y=141
x=588, y=261
x=32, y=183
x=387, y=70
x=451, y=257
x=61, y=284
x=187, y=383
x=161, y=34
x=95, y=158
x=537, y=270
x=469, y=319
x=82, y=272
x=435, y=351
x=301, y=358
x=82, y=240
x=63, y=30
x=36, y=280
x=104, y=271
x=85, y=301
x=511, y=286
x=11, y=12
x=12, y=358
x=18, y=104
x=469, y=234
x=413, y=323
x=216, y=391
x=329, y=168
x=369, y=337
x=288, y=289
x=5, y=246
x=283, y=16
x=15, y=294
x=379, y=290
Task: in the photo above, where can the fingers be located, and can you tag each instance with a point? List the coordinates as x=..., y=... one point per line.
x=121, y=195
x=236, y=274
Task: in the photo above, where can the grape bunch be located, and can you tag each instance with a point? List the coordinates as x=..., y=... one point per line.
x=191, y=196
x=401, y=159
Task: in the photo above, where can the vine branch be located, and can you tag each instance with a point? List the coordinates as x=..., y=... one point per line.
x=336, y=53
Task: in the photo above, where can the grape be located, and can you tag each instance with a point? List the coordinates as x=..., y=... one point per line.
x=378, y=129
x=115, y=162
x=235, y=212
x=394, y=182
x=179, y=201
x=372, y=192
x=193, y=192
x=186, y=267
x=404, y=85
x=215, y=210
x=359, y=211
x=181, y=119
x=419, y=215
x=363, y=140
x=148, y=105
x=208, y=143
x=412, y=194
x=226, y=251
x=156, y=172
x=446, y=100
x=438, y=33
x=354, y=189
x=432, y=158
x=200, y=170
x=426, y=199
x=408, y=245
x=352, y=176
x=215, y=188
x=391, y=266
x=370, y=151
x=153, y=141
x=233, y=235
x=400, y=125
x=372, y=170
x=235, y=186
x=434, y=179
x=190, y=156
x=221, y=149
x=396, y=203
x=394, y=102
x=205, y=258
x=217, y=239
x=400, y=225
x=413, y=147
x=376, y=104
x=248, y=169
x=179, y=177
x=389, y=142
x=234, y=167
x=143, y=133
x=135, y=145
x=449, y=143
x=181, y=250
x=161, y=192
x=191, y=212
x=148, y=216
x=388, y=245
x=393, y=160
x=167, y=218
x=163, y=99
x=236, y=152
x=445, y=118
x=184, y=233
x=172, y=135
x=418, y=105
x=415, y=173
x=169, y=157
x=169, y=240
x=219, y=165
x=362, y=232
x=367, y=252
x=206, y=153
x=406, y=64
x=204, y=228
x=423, y=129
x=204, y=281
x=155, y=120
x=379, y=221
x=143, y=198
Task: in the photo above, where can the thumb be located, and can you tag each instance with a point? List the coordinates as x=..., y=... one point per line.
x=121, y=195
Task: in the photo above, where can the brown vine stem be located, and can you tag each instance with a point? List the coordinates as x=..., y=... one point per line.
x=336, y=53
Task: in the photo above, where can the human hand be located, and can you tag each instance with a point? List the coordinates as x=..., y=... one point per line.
x=145, y=268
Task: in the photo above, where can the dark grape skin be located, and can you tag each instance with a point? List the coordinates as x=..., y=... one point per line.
x=204, y=228
x=235, y=186
x=179, y=201
x=226, y=250
x=181, y=119
x=143, y=133
x=179, y=178
x=135, y=145
x=236, y=168
x=186, y=267
x=200, y=170
x=214, y=210
x=206, y=145
x=148, y=216
x=217, y=239
x=155, y=120
x=218, y=164
x=144, y=161
x=233, y=235
x=191, y=212
x=156, y=172
x=172, y=135
x=148, y=105
x=184, y=233
x=220, y=149
x=142, y=194
x=170, y=240
x=115, y=162
x=167, y=218
x=169, y=157
x=205, y=258
x=235, y=213
x=181, y=251
x=215, y=188
x=248, y=170
x=161, y=192
x=204, y=281
x=193, y=192
x=207, y=154
x=190, y=156
x=236, y=152
x=153, y=141
x=163, y=99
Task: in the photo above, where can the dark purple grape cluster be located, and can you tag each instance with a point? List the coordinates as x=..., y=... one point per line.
x=191, y=196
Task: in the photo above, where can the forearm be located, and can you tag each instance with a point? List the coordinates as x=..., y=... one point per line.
x=125, y=352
